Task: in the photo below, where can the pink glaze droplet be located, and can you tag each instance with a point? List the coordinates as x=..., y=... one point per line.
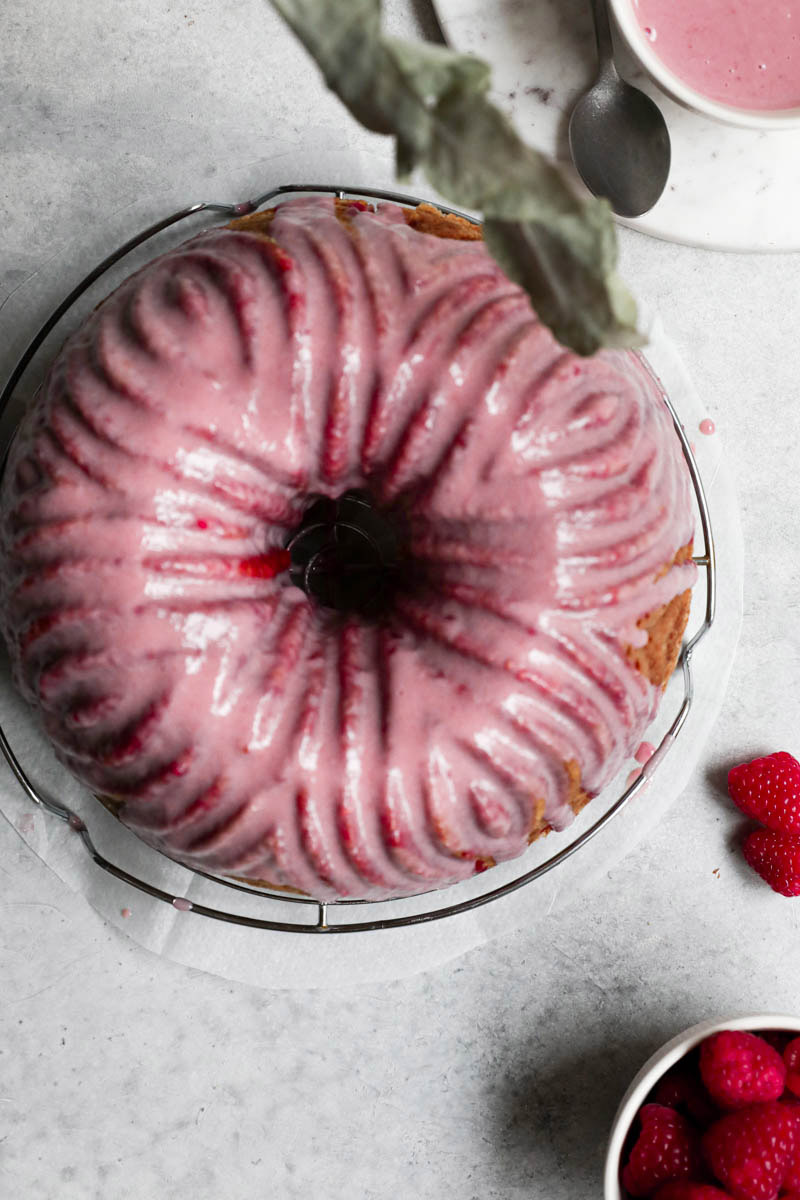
x=126, y=912
x=707, y=426
x=693, y=447
x=181, y=904
x=634, y=775
x=76, y=823
x=646, y=751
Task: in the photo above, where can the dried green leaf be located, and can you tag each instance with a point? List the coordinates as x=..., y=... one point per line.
x=560, y=247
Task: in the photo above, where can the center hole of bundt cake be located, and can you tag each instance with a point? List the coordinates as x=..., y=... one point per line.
x=345, y=554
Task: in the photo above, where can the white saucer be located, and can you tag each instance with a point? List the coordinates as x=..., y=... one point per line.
x=729, y=189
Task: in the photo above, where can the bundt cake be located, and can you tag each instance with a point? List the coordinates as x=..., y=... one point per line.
x=325, y=566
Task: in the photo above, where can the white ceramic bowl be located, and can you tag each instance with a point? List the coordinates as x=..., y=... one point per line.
x=658, y=1065
x=642, y=50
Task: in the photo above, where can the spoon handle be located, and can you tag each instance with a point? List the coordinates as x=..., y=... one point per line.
x=602, y=30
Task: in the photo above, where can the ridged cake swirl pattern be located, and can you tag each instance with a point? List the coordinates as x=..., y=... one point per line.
x=174, y=447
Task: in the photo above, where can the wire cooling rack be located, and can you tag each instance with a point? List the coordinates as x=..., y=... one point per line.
x=324, y=916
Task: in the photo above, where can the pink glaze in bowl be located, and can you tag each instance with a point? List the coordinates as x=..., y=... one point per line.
x=630, y=25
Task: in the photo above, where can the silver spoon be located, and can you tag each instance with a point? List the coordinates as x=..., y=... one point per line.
x=617, y=136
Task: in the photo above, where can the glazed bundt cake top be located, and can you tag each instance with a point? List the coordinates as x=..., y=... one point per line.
x=534, y=506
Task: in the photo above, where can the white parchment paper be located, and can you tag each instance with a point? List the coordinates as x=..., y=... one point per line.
x=291, y=960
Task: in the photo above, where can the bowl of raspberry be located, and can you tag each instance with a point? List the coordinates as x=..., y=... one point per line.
x=713, y=1115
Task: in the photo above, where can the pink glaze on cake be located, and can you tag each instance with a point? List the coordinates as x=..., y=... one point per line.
x=239, y=726
x=644, y=752
x=745, y=53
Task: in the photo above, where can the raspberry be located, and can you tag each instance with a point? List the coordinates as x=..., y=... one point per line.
x=680, y=1088
x=776, y=858
x=740, y=1069
x=750, y=1151
x=768, y=789
x=791, y=1057
x=666, y=1149
x=683, y=1190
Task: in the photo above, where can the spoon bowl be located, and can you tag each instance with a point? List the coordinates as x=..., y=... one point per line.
x=620, y=146
x=618, y=137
